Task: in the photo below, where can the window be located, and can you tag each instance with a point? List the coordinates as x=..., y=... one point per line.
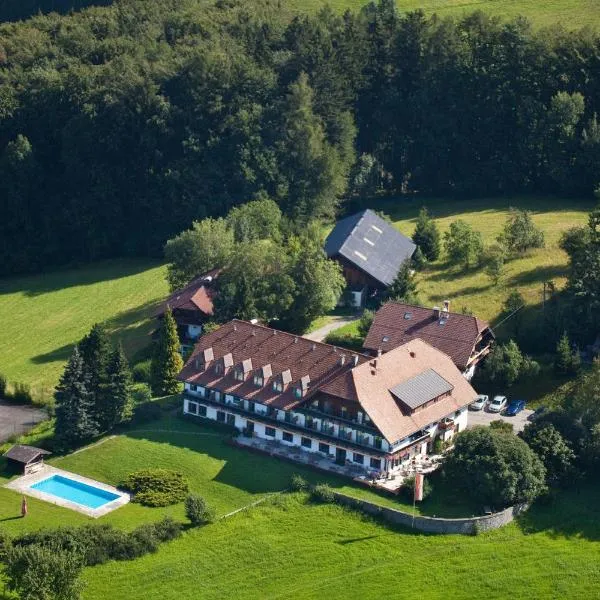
x=219, y=368
x=270, y=431
x=377, y=442
x=376, y=463
x=238, y=375
x=220, y=416
x=298, y=392
x=306, y=442
x=359, y=458
x=287, y=437
x=324, y=448
x=193, y=388
x=201, y=410
x=278, y=386
x=230, y=419
x=258, y=381
x=201, y=391
x=193, y=408
x=251, y=406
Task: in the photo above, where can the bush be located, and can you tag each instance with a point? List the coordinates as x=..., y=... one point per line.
x=141, y=371
x=2, y=386
x=141, y=393
x=197, y=511
x=408, y=488
x=21, y=393
x=156, y=487
x=323, y=493
x=144, y=413
x=298, y=483
x=167, y=529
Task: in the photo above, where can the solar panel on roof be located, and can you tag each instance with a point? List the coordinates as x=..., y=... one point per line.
x=421, y=388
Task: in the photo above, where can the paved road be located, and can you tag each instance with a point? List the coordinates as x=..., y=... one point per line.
x=318, y=335
x=18, y=419
x=483, y=417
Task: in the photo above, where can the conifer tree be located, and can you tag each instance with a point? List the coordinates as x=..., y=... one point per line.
x=117, y=392
x=427, y=235
x=75, y=418
x=95, y=352
x=567, y=361
x=166, y=361
x=404, y=287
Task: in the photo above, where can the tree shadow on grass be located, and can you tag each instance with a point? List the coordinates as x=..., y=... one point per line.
x=573, y=513
x=36, y=285
x=538, y=275
x=132, y=328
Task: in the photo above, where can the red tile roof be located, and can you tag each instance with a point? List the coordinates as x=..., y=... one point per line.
x=374, y=384
x=196, y=296
x=456, y=337
x=280, y=350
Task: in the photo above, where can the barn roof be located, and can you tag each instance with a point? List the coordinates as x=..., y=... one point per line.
x=371, y=244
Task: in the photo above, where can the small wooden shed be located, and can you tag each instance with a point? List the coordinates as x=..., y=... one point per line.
x=26, y=459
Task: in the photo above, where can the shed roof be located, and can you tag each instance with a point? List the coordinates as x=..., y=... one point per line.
x=421, y=388
x=371, y=244
x=25, y=454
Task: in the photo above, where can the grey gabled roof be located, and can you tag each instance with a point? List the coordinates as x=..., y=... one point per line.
x=421, y=388
x=370, y=243
x=25, y=454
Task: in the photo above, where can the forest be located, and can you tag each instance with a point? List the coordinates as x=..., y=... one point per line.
x=120, y=125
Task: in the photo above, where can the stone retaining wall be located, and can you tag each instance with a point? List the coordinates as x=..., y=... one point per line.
x=466, y=526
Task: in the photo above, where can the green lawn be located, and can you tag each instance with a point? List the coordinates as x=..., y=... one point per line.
x=288, y=547
x=44, y=315
x=570, y=13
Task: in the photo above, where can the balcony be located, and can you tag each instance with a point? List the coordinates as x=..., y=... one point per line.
x=446, y=424
x=339, y=420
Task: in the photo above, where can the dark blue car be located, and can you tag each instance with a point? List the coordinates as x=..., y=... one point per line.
x=515, y=407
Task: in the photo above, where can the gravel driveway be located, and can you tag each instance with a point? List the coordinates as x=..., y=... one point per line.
x=18, y=419
x=483, y=417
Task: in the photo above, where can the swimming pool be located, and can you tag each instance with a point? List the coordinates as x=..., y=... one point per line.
x=74, y=491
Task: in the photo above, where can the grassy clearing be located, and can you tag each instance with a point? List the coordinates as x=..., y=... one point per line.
x=289, y=547
x=571, y=14
x=44, y=315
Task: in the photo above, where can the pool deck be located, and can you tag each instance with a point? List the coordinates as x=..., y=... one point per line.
x=23, y=485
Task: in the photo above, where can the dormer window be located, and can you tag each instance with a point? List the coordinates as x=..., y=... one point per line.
x=238, y=374
x=219, y=368
x=242, y=370
x=298, y=392
x=258, y=380
x=302, y=387
x=278, y=386
x=262, y=375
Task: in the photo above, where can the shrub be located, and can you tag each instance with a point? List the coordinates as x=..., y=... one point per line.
x=156, y=487
x=323, y=493
x=22, y=393
x=2, y=386
x=144, y=413
x=141, y=393
x=408, y=488
x=298, y=483
x=167, y=529
x=197, y=511
x=141, y=371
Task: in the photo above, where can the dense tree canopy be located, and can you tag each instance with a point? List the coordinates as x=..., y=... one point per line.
x=121, y=125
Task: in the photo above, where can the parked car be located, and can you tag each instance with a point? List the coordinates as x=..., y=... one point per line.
x=479, y=402
x=497, y=404
x=515, y=407
x=537, y=413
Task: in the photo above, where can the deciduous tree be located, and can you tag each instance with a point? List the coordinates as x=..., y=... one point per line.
x=463, y=245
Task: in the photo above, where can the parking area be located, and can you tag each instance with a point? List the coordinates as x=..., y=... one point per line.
x=483, y=417
x=15, y=419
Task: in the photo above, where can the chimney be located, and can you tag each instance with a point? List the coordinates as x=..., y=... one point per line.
x=379, y=351
x=295, y=340
x=313, y=347
x=355, y=360
x=446, y=306
x=342, y=360
x=436, y=312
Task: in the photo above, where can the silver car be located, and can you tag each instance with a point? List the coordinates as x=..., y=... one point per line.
x=480, y=402
x=498, y=404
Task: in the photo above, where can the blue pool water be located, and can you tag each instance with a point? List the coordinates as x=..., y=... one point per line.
x=75, y=491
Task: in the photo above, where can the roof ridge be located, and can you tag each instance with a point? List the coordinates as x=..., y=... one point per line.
x=396, y=302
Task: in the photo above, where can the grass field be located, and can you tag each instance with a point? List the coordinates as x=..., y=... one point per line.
x=569, y=13
x=44, y=315
x=288, y=547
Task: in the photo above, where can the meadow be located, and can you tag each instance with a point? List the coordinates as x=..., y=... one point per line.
x=571, y=14
x=290, y=547
x=44, y=315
